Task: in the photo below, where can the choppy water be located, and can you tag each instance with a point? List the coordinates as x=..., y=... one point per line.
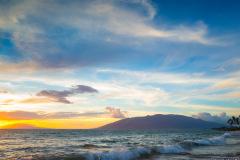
x=118, y=144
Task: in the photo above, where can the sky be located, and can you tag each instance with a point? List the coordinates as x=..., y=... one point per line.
x=81, y=64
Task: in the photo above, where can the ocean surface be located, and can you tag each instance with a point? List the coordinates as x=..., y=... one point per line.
x=118, y=144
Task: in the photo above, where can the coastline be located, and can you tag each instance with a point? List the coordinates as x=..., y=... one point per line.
x=227, y=129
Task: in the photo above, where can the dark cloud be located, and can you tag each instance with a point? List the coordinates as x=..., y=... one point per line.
x=115, y=113
x=25, y=115
x=222, y=118
x=84, y=89
x=60, y=96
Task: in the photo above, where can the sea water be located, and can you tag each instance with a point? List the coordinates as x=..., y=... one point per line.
x=118, y=144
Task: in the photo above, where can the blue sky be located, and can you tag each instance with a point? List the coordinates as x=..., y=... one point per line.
x=141, y=56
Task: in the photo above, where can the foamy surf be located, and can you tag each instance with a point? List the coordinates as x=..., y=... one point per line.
x=214, y=140
x=170, y=149
x=122, y=154
x=139, y=152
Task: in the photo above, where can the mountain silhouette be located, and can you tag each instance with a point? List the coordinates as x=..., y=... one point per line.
x=160, y=121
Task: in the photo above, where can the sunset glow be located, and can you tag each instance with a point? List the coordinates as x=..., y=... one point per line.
x=82, y=64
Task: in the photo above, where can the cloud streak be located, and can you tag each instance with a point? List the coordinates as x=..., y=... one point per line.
x=60, y=96
x=160, y=77
x=21, y=126
x=26, y=115
x=3, y=92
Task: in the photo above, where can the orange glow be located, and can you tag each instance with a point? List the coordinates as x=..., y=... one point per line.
x=76, y=123
x=24, y=119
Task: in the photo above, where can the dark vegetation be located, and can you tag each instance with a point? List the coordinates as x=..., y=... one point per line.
x=233, y=122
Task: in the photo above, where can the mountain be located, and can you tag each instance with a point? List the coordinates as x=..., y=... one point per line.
x=160, y=121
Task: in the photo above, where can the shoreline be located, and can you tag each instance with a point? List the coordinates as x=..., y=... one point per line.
x=227, y=129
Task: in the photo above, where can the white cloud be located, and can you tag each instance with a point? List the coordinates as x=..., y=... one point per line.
x=115, y=113
x=222, y=118
x=225, y=96
x=127, y=85
x=229, y=83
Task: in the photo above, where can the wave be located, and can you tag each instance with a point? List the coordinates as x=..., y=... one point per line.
x=171, y=149
x=142, y=152
x=139, y=152
x=214, y=140
x=118, y=154
x=146, y=152
x=236, y=133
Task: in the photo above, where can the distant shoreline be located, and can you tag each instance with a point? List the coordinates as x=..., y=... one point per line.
x=227, y=129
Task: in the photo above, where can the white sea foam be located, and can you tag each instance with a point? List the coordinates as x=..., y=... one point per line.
x=220, y=139
x=170, y=149
x=227, y=135
x=126, y=154
x=131, y=154
x=201, y=142
x=214, y=140
x=118, y=154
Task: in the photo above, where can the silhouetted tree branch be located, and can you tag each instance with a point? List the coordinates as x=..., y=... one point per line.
x=234, y=121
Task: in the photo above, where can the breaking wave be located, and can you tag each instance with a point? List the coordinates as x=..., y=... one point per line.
x=120, y=155
x=214, y=140
x=170, y=149
x=139, y=152
x=144, y=152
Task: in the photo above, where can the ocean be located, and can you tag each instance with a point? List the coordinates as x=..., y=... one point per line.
x=49, y=144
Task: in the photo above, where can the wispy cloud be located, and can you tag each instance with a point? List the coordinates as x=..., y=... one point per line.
x=211, y=84
x=160, y=77
x=20, y=126
x=28, y=22
x=26, y=66
x=3, y=92
x=228, y=83
x=151, y=10
x=32, y=100
x=107, y=15
x=221, y=97
x=26, y=115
